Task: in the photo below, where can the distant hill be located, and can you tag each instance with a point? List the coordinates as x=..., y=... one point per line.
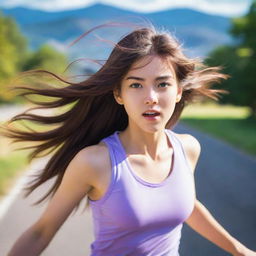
x=199, y=32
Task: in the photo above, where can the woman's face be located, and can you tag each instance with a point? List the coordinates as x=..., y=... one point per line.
x=149, y=94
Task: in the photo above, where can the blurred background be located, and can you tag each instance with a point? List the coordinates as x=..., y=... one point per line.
x=37, y=34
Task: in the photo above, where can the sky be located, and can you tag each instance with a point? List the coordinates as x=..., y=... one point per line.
x=229, y=8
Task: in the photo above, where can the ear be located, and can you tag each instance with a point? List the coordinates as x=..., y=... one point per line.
x=179, y=94
x=117, y=96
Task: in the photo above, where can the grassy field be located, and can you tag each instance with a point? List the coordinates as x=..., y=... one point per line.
x=11, y=167
x=12, y=164
x=226, y=122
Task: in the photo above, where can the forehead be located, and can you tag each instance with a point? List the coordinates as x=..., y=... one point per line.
x=152, y=66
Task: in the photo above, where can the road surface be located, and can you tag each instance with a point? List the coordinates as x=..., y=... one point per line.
x=225, y=184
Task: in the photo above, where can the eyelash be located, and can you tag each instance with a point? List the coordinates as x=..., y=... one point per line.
x=140, y=84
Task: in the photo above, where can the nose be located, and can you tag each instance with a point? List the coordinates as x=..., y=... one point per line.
x=151, y=98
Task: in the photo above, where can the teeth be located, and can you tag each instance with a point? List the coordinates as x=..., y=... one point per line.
x=151, y=113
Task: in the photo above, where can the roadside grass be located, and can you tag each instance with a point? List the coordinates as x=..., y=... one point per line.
x=11, y=167
x=229, y=123
x=13, y=162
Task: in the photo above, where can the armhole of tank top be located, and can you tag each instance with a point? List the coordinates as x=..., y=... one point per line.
x=113, y=176
x=182, y=149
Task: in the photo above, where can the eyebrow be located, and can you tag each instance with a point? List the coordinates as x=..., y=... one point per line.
x=143, y=79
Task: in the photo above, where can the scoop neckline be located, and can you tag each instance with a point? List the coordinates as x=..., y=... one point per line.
x=141, y=180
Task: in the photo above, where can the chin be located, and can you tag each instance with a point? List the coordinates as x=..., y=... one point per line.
x=153, y=129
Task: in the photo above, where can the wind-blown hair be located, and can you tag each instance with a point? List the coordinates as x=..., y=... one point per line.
x=95, y=114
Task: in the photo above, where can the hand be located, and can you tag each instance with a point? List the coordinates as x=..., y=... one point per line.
x=245, y=252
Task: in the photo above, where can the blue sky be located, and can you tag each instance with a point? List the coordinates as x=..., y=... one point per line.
x=222, y=7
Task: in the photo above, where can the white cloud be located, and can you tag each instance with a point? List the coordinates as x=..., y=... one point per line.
x=49, y=5
x=224, y=7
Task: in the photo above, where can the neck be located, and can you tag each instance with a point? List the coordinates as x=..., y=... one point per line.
x=151, y=145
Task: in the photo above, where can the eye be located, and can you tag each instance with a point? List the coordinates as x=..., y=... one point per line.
x=135, y=85
x=163, y=85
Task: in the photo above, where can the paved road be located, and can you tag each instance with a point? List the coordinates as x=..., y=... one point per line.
x=226, y=185
x=225, y=182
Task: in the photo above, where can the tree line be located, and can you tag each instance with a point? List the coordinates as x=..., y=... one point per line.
x=16, y=57
x=239, y=61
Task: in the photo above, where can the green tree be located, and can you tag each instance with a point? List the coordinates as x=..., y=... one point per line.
x=16, y=57
x=48, y=58
x=13, y=47
x=239, y=62
x=244, y=28
x=13, y=51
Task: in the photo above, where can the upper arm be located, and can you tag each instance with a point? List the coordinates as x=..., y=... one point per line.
x=76, y=183
x=192, y=149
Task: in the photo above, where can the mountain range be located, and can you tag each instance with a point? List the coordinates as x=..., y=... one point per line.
x=198, y=32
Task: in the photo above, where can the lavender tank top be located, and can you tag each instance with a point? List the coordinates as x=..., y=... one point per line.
x=139, y=218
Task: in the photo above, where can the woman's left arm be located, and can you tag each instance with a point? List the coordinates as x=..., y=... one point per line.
x=201, y=219
x=204, y=223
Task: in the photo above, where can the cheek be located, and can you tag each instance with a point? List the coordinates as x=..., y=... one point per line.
x=133, y=105
x=131, y=98
x=169, y=99
x=130, y=101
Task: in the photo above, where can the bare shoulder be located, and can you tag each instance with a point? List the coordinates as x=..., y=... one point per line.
x=93, y=158
x=85, y=167
x=93, y=155
x=79, y=179
x=96, y=160
x=190, y=143
x=191, y=147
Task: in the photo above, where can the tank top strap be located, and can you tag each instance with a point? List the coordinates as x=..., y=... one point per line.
x=179, y=146
x=112, y=145
x=114, y=148
x=110, y=142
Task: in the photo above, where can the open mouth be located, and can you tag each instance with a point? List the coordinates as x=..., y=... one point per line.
x=151, y=114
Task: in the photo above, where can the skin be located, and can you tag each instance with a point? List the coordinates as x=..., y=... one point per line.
x=145, y=141
x=146, y=145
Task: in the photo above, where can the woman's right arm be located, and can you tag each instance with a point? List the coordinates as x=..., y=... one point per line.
x=76, y=183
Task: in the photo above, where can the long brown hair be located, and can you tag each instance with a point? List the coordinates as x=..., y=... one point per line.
x=95, y=114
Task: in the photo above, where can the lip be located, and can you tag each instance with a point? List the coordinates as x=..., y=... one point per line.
x=151, y=110
x=151, y=118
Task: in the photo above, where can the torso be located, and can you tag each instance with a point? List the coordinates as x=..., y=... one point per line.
x=139, y=165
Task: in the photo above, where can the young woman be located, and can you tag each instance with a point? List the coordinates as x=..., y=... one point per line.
x=115, y=145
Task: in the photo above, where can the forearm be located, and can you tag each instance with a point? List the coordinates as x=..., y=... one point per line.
x=204, y=223
x=30, y=243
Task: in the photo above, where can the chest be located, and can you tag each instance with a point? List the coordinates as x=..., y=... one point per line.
x=135, y=203
x=151, y=171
